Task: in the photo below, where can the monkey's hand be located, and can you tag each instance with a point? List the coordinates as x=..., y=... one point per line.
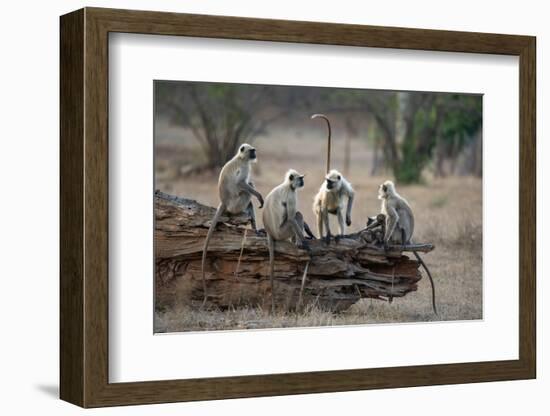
x=348, y=220
x=327, y=238
x=337, y=238
x=261, y=201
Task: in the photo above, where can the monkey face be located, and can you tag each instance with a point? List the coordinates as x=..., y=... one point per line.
x=386, y=188
x=247, y=152
x=333, y=180
x=295, y=179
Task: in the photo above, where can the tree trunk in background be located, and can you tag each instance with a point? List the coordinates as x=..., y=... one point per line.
x=351, y=130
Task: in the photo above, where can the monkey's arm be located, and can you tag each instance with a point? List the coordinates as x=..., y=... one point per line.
x=244, y=186
x=351, y=195
x=285, y=215
x=298, y=231
x=392, y=219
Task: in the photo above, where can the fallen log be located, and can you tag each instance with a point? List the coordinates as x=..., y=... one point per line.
x=338, y=274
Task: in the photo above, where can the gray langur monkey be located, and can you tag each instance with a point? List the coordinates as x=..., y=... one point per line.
x=282, y=220
x=330, y=200
x=400, y=224
x=235, y=190
x=399, y=215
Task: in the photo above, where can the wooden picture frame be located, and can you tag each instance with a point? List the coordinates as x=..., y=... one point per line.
x=84, y=207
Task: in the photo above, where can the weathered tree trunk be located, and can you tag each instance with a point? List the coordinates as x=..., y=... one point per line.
x=338, y=275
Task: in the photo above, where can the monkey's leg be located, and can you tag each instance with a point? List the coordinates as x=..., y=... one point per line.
x=252, y=216
x=324, y=214
x=391, y=222
x=320, y=224
x=271, y=247
x=308, y=231
x=297, y=224
x=217, y=215
x=340, y=224
x=303, y=225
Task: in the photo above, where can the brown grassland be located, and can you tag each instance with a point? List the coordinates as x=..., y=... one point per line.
x=448, y=213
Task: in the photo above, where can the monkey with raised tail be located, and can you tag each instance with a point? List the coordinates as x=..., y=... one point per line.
x=235, y=190
x=331, y=199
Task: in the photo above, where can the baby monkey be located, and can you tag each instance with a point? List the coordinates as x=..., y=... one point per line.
x=331, y=200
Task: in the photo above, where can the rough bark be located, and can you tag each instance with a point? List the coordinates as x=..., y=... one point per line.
x=338, y=275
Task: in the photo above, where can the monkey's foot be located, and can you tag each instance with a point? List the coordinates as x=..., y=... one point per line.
x=304, y=245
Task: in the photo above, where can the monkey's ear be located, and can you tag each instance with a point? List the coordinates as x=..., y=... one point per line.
x=242, y=148
x=384, y=188
x=291, y=177
x=339, y=177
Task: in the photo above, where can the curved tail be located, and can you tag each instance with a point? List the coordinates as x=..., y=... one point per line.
x=215, y=220
x=431, y=280
x=329, y=137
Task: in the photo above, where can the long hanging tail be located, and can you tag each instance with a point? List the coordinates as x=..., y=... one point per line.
x=271, y=247
x=431, y=280
x=304, y=276
x=240, y=254
x=205, y=248
x=329, y=140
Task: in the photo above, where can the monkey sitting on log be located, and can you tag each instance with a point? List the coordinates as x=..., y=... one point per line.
x=282, y=220
x=399, y=225
x=235, y=190
x=399, y=215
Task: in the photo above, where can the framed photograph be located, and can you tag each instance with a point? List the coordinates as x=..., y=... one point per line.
x=256, y=207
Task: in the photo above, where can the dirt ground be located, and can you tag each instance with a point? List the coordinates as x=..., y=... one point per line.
x=448, y=213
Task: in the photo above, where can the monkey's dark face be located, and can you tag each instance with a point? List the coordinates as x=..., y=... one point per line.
x=331, y=184
x=333, y=180
x=295, y=179
x=387, y=188
x=247, y=152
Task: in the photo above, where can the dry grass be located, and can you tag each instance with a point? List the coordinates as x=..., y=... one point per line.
x=448, y=213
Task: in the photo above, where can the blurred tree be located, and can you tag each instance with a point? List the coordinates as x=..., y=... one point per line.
x=413, y=124
x=408, y=130
x=220, y=116
x=460, y=129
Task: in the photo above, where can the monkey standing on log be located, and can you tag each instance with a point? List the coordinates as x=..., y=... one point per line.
x=331, y=196
x=235, y=190
x=399, y=225
x=282, y=220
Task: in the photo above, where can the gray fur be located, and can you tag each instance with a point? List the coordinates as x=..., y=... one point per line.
x=282, y=221
x=235, y=191
x=330, y=200
x=399, y=215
